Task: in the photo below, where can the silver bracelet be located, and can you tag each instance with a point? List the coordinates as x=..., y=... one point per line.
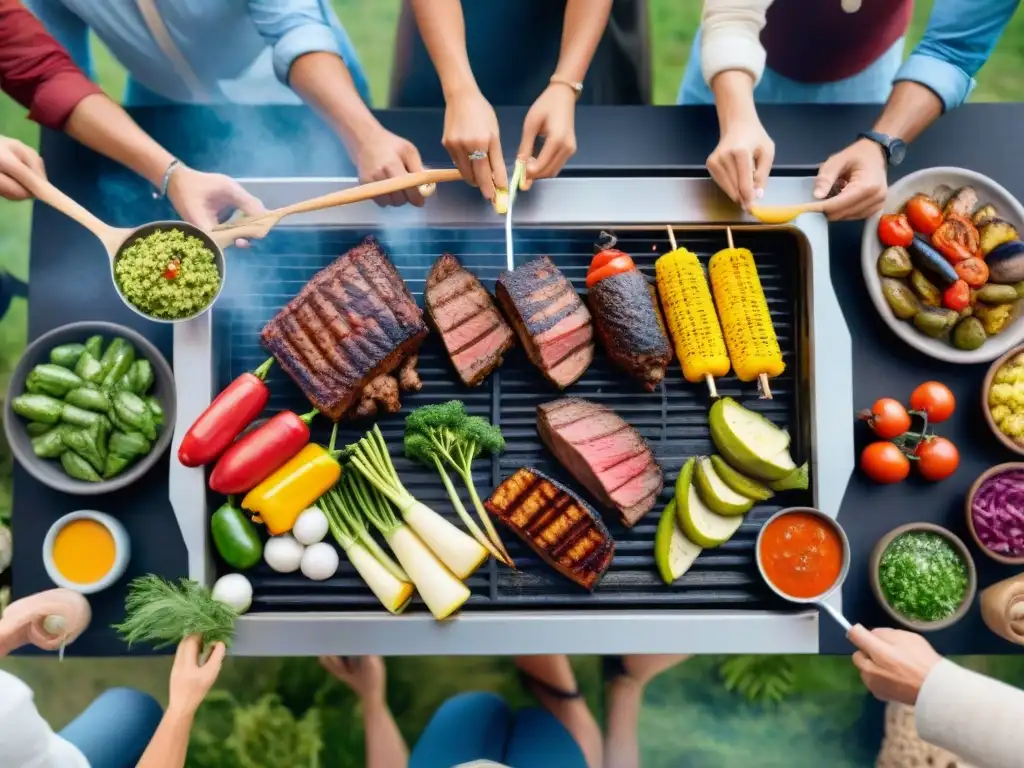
x=174, y=164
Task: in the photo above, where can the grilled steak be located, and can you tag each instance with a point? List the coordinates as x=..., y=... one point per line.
x=475, y=334
x=354, y=321
x=556, y=523
x=603, y=452
x=550, y=320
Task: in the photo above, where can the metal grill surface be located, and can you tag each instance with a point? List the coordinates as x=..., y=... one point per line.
x=673, y=420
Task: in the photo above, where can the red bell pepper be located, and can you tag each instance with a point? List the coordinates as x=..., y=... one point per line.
x=231, y=411
x=257, y=455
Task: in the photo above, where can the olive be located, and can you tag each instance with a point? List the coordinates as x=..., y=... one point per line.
x=901, y=299
x=997, y=294
x=894, y=262
x=923, y=287
x=934, y=322
x=969, y=334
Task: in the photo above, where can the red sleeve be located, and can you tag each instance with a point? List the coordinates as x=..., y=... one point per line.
x=36, y=71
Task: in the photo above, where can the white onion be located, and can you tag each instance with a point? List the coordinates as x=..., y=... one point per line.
x=283, y=553
x=319, y=561
x=235, y=591
x=310, y=526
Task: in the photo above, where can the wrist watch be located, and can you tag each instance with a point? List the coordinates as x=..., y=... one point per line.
x=895, y=149
x=576, y=86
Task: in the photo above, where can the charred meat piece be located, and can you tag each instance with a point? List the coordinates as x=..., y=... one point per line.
x=560, y=527
x=354, y=321
x=475, y=334
x=629, y=323
x=608, y=456
x=550, y=319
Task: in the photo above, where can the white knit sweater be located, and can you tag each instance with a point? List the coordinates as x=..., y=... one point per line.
x=731, y=36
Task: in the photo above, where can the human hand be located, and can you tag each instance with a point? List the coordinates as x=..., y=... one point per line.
x=365, y=675
x=862, y=166
x=46, y=620
x=471, y=128
x=382, y=155
x=893, y=664
x=190, y=682
x=742, y=161
x=202, y=198
x=14, y=153
x=553, y=116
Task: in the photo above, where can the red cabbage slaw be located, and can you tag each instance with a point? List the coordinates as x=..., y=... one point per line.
x=997, y=513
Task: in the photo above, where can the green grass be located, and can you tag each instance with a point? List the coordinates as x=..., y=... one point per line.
x=688, y=712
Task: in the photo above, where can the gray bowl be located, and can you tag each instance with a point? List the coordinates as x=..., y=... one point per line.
x=926, y=181
x=49, y=471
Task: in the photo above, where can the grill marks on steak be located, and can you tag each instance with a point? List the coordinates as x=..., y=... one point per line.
x=475, y=334
x=560, y=527
x=629, y=325
x=604, y=453
x=354, y=321
x=551, y=321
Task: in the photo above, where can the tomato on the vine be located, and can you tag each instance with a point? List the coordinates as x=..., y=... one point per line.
x=888, y=418
x=894, y=229
x=937, y=458
x=885, y=463
x=934, y=399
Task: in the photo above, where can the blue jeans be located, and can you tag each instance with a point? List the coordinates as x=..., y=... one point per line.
x=481, y=726
x=872, y=86
x=114, y=730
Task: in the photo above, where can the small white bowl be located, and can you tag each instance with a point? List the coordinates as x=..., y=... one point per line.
x=926, y=181
x=122, y=551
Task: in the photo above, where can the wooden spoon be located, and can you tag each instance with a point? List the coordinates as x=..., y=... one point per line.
x=783, y=214
x=254, y=227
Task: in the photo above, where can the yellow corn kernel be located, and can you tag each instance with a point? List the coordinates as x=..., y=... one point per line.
x=280, y=498
x=690, y=315
x=746, y=321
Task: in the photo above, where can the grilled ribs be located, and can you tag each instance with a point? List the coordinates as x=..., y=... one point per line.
x=550, y=319
x=604, y=453
x=354, y=321
x=475, y=334
x=559, y=526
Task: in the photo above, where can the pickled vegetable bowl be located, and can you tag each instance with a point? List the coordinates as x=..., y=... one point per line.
x=951, y=267
x=168, y=274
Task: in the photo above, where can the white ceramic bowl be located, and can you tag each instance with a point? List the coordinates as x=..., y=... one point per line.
x=122, y=551
x=926, y=181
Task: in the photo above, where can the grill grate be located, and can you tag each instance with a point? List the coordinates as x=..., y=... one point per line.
x=673, y=420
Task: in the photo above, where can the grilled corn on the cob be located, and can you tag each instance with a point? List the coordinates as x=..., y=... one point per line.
x=691, y=317
x=746, y=321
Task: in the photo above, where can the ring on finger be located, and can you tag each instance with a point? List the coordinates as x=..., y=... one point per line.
x=478, y=154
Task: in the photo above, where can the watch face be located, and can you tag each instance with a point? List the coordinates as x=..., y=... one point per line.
x=897, y=151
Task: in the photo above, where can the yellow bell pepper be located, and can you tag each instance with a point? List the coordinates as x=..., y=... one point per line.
x=280, y=498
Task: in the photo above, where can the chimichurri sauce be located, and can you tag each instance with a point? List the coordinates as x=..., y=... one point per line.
x=923, y=577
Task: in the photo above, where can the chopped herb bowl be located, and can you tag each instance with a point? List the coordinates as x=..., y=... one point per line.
x=895, y=579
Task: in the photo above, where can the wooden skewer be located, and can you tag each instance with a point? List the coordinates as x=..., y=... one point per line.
x=671, y=236
x=764, y=389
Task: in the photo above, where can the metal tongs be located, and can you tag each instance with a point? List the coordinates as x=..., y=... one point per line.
x=513, y=190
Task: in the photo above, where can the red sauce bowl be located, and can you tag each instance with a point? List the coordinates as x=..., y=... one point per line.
x=828, y=522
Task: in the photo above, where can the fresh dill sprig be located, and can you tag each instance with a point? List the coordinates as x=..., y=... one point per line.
x=164, y=613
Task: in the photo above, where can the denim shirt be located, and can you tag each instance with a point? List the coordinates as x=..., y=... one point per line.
x=240, y=50
x=960, y=37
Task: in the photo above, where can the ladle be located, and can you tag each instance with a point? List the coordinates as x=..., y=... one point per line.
x=783, y=214
x=258, y=226
x=820, y=600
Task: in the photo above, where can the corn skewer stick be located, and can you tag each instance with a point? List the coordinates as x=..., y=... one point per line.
x=764, y=390
x=708, y=378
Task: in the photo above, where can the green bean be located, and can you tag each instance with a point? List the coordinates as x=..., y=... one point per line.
x=89, y=368
x=117, y=361
x=78, y=468
x=128, y=444
x=49, y=445
x=133, y=411
x=141, y=377
x=66, y=355
x=94, y=346
x=34, y=407
x=114, y=465
x=156, y=410
x=83, y=442
x=89, y=399
x=37, y=428
x=79, y=417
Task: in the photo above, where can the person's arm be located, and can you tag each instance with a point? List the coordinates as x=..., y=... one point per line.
x=582, y=28
x=731, y=38
x=973, y=716
x=189, y=685
x=443, y=30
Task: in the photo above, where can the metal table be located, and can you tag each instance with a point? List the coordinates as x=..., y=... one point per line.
x=69, y=281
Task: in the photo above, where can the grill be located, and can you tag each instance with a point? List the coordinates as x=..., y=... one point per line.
x=673, y=420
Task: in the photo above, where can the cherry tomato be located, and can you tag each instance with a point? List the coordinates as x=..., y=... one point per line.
x=888, y=418
x=957, y=239
x=894, y=229
x=937, y=458
x=616, y=266
x=935, y=399
x=924, y=214
x=603, y=257
x=172, y=270
x=884, y=463
x=957, y=296
x=972, y=271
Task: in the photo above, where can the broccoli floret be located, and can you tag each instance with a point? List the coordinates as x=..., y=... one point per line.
x=448, y=415
x=486, y=436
